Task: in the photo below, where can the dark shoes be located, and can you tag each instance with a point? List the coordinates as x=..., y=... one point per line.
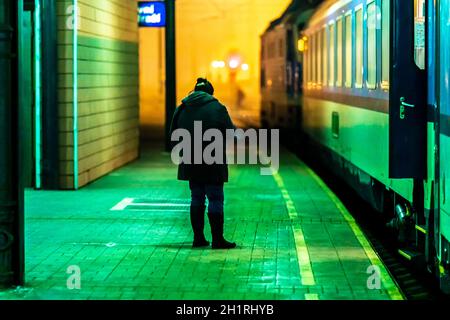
x=216, y=222
x=198, y=223
x=199, y=243
x=218, y=241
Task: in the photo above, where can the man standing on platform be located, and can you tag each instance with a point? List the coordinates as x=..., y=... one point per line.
x=205, y=180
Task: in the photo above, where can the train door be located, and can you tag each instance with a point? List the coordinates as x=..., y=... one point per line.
x=443, y=101
x=407, y=94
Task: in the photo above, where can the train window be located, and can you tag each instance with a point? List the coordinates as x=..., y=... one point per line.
x=332, y=56
x=306, y=63
x=280, y=48
x=348, y=51
x=263, y=78
x=385, y=44
x=339, y=55
x=271, y=50
x=282, y=76
x=3, y=12
x=319, y=57
x=318, y=54
x=263, y=56
x=313, y=58
x=419, y=33
x=310, y=59
x=325, y=56
x=371, y=45
x=359, y=48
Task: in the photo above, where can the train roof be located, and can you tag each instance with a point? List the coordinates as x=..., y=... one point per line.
x=327, y=8
x=299, y=11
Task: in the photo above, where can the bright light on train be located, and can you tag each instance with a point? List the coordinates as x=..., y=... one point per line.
x=245, y=67
x=233, y=63
x=301, y=45
x=218, y=64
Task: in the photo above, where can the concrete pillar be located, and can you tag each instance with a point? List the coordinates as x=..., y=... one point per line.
x=171, y=82
x=11, y=194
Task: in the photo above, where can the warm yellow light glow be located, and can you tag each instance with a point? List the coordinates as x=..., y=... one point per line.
x=245, y=67
x=301, y=45
x=208, y=31
x=218, y=64
x=234, y=63
x=151, y=77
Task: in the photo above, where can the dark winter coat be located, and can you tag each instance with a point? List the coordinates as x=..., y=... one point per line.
x=201, y=106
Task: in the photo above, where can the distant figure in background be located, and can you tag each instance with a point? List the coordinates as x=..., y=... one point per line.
x=240, y=98
x=204, y=180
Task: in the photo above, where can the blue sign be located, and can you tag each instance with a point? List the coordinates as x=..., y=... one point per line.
x=152, y=14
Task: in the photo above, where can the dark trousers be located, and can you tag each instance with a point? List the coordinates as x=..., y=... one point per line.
x=214, y=193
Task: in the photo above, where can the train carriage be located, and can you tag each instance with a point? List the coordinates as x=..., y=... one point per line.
x=281, y=67
x=438, y=64
x=376, y=102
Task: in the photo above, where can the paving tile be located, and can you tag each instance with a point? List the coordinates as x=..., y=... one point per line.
x=141, y=254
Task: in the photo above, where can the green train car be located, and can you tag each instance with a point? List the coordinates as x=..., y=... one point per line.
x=375, y=105
x=281, y=67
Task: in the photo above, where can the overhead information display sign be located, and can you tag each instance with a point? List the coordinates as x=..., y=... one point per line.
x=152, y=14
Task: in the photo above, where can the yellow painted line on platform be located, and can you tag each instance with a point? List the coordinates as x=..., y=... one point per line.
x=386, y=279
x=311, y=296
x=304, y=263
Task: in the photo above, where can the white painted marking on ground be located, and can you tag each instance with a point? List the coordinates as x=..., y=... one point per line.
x=112, y=245
x=122, y=204
x=159, y=204
x=159, y=210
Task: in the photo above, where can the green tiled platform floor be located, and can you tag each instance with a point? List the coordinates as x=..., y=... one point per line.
x=295, y=239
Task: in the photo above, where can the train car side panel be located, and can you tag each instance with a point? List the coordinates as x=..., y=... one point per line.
x=360, y=137
x=444, y=107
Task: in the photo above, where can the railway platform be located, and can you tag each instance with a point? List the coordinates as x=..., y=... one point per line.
x=128, y=236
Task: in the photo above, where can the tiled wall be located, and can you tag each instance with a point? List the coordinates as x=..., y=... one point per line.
x=108, y=88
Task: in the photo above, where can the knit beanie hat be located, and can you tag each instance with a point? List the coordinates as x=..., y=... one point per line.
x=204, y=85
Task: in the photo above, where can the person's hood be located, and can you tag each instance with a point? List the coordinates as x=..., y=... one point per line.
x=198, y=98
